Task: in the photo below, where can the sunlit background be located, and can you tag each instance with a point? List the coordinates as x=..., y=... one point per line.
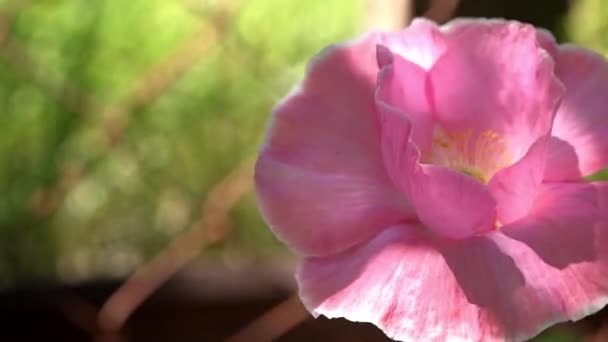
x=128, y=131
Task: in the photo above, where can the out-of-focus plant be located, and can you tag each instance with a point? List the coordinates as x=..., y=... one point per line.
x=99, y=169
x=586, y=24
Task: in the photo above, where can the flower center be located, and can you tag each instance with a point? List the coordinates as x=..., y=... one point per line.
x=475, y=154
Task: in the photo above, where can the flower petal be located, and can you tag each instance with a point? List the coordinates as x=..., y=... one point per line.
x=449, y=203
x=458, y=25
x=562, y=226
x=320, y=179
x=419, y=289
x=547, y=41
x=495, y=78
x=561, y=162
x=581, y=121
x=516, y=186
x=421, y=43
x=402, y=85
x=568, y=231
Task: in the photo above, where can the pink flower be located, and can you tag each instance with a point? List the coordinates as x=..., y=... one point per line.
x=431, y=181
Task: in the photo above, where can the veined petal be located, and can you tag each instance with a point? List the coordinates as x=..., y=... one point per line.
x=456, y=26
x=581, y=123
x=402, y=85
x=319, y=213
x=320, y=178
x=416, y=288
x=562, y=225
x=568, y=233
x=421, y=43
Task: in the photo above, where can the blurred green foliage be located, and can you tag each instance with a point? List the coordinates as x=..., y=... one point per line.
x=557, y=335
x=586, y=24
x=73, y=205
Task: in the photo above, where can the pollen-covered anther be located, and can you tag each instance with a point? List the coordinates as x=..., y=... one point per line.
x=476, y=154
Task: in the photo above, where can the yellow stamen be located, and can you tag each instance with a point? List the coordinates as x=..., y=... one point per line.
x=477, y=155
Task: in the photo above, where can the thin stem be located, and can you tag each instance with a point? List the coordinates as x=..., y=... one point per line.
x=209, y=229
x=274, y=323
x=441, y=11
x=391, y=15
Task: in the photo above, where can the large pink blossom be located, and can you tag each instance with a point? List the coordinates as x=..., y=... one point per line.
x=431, y=181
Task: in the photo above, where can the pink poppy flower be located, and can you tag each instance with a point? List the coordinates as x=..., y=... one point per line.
x=431, y=181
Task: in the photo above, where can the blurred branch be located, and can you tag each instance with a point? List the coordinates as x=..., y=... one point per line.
x=441, y=11
x=8, y=12
x=390, y=15
x=78, y=312
x=209, y=229
x=82, y=315
x=163, y=75
x=274, y=323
